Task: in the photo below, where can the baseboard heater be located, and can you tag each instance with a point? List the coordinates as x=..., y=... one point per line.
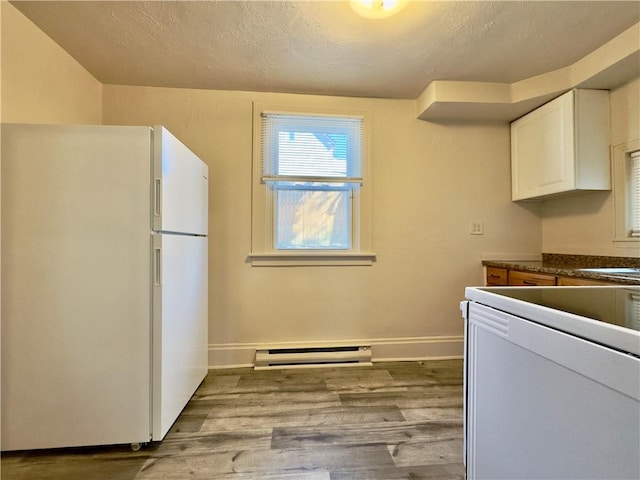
x=312, y=357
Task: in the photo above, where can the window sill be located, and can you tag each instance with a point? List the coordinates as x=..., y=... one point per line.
x=311, y=258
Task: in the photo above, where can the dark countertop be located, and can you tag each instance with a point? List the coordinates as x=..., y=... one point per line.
x=572, y=265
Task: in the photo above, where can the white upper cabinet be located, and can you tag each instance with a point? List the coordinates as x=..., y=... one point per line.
x=562, y=147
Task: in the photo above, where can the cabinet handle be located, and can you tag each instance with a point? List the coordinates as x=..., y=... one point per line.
x=493, y=275
x=527, y=282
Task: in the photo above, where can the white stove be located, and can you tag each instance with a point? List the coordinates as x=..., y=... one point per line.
x=552, y=383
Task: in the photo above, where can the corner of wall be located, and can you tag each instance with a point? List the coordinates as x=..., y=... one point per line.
x=41, y=82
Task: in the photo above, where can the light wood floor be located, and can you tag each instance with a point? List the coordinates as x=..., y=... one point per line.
x=390, y=421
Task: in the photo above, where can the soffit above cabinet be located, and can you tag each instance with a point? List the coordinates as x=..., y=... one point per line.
x=612, y=65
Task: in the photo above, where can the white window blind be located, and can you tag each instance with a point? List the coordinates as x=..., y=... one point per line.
x=635, y=312
x=305, y=148
x=635, y=193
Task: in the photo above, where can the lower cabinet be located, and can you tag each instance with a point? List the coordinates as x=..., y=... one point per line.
x=518, y=278
x=496, y=276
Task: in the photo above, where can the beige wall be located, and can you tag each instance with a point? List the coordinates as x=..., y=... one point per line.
x=41, y=83
x=429, y=183
x=584, y=224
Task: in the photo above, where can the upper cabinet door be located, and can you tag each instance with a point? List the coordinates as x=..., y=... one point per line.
x=180, y=187
x=562, y=147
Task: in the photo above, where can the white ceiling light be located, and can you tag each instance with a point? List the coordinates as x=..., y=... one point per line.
x=377, y=8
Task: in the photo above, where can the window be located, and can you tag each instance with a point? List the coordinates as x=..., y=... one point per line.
x=312, y=166
x=634, y=193
x=634, y=311
x=308, y=184
x=626, y=176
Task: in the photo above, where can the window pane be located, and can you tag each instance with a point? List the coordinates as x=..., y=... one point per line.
x=312, y=219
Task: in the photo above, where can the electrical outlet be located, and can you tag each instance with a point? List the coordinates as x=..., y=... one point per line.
x=477, y=228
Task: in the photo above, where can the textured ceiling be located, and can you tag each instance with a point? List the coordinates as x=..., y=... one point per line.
x=323, y=47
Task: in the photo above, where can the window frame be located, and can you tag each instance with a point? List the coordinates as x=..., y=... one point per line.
x=263, y=250
x=621, y=166
x=634, y=181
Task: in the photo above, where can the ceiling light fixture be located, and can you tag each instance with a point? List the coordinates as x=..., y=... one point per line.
x=377, y=8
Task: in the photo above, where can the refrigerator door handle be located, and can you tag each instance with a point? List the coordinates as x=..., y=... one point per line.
x=157, y=277
x=157, y=204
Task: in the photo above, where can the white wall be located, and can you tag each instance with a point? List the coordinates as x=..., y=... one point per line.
x=584, y=224
x=429, y=182
x=41, y=83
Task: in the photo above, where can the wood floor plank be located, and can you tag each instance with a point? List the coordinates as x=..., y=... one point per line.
x=360, y=379
x=221, y=382
x=251, y=418
x=270, y=398
x=292, y=380
x=386, y=433
x=186, y=424
x=431, y=413
x=202, y=443
x=448, y=395
x=426, y=472
x=445, y=449
x=446, y=372
x=198, y=406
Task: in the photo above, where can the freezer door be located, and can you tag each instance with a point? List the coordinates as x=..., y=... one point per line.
x=179, y=325
x=180, y=186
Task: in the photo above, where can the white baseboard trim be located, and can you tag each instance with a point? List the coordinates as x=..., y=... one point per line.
x=241, y=355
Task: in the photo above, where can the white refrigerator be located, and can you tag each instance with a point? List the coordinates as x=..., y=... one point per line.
x=104, y=284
